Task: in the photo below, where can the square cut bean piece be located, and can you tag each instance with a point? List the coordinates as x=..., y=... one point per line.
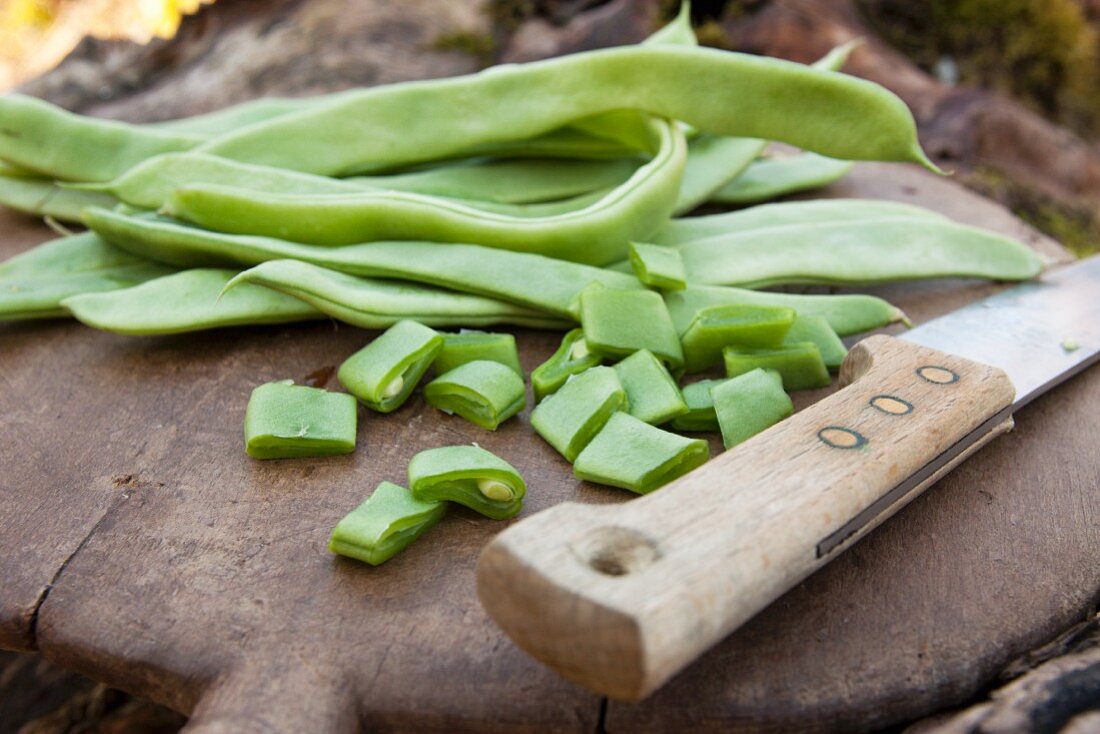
x=700, y=415
x=817, y=330
x=470, y=476
x=385, y=372
x=658, y=266
x=483, y=392
x=634, y=455
x=471, y=346
x=288, y=421
x=572, y=358
x=748, y=404
x=384, y=525
x=799, y=363
x=569, y=418
x=619, y=322
x=716, y=327
x=650, y=390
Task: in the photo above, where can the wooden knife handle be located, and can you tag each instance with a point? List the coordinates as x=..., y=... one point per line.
x=620, y=598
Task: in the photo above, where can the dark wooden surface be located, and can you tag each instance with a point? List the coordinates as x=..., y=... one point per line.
x=144, y=549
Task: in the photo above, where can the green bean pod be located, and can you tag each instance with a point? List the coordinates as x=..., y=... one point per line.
x=378, y=304
x=186, y=301
x=823, y=211
x=53, y=142
x=540, y=283
x=596, y=234
x=871, y=251
x=234, y=117
x=847, y=314
x=728, y=94
x=34, y=283
x=770, y=178
x=32, y=194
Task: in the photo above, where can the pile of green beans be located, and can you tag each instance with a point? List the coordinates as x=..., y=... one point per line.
x=491, y=198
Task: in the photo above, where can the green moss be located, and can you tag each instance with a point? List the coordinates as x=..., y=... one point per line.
x=479, y=45
x=1043, y=52
x=1073, y=227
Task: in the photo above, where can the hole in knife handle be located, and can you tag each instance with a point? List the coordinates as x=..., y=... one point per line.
x=615, y=551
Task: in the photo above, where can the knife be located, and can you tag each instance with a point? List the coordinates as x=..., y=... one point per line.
x=619, y=598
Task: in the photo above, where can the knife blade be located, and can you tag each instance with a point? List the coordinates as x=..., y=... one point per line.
x=619, y=598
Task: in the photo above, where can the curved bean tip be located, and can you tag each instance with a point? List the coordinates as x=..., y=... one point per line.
x=903, y=318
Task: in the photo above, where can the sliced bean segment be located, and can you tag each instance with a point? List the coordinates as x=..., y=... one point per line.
x=770, y=178
x=817, y=330
x=470, y=476
x=288, y=421
x=689, y=229
x=34, y=283
x=469, y=346
x=541, y=283
x=701, y=415
x=847, y=313
x=618, y=323
x=748, y=404
x=571, y=358
x=569, y=418
x=634, y=455
x=730, y=94
x=383, y=526
x=484, y=393
x=717, y=327
x=383, y=374
x=658, y=266
x=378, y=304
x=874, y=251
x=186, y=301
x=651, y=393
x=799, y=364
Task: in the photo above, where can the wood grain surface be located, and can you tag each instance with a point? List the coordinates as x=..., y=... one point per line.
x=143, y=548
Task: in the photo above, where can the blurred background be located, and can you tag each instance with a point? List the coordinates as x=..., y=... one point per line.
x=1006, y=94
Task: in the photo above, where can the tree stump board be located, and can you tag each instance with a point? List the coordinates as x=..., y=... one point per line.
x=143, y=548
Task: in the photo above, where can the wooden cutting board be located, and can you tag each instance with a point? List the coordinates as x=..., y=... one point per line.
x=143, y=548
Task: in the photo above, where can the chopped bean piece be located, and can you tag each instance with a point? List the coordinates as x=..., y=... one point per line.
x=572, y=358
x=288, y=421
x=817, y=330
x=650, y=390
x=384, y=525
x=569, y=418
x=749, y=403
x=385, y=372
x=483, y=392
x=469, y=346
x=634, y=455
x=658, y=266
x=799, y=363
x=700, y=415
x=618, y=323
x=470, y=476
x=716, y=327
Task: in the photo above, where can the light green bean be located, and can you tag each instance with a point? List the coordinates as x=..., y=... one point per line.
x=729, y=94
x=770, y=178
x=595, y=234
x=33, y=284
x=871, y=251
x=186, y=301
x=32, y=194
x=688, y=229
x=847, y=313
x=534, y=281
x=234, y=117
x=378, y=304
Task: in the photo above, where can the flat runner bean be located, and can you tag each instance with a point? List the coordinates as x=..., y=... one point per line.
x=288, y=421
x=383, y=374
x=541, y=283
x=618, y=323
x=569, y=418
x=716, y=327
x=469, y=346
x=871, y=251
x=770, y=178
x=799, y=364
x=651, y=393
x=470, y=476
x=32, y=194
x=748, y=404
x=383, y=526
x=484, y=393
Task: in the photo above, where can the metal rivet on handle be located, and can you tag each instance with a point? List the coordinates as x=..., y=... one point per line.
x=937, y=375
x=841, y=438
x=891, y=405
